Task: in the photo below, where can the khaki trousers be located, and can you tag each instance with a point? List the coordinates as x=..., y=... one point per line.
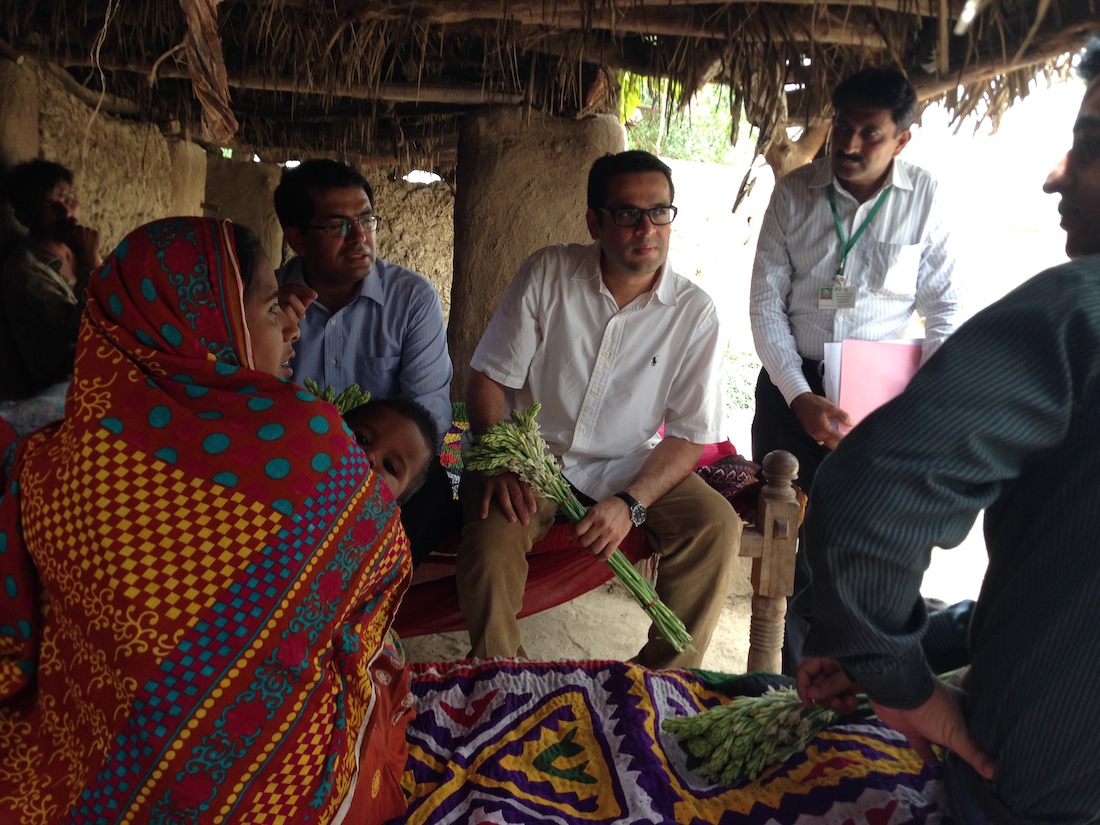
x=694, y=530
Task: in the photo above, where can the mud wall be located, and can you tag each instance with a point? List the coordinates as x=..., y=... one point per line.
x=522, y=184
x=417, y=229
x=126, y=173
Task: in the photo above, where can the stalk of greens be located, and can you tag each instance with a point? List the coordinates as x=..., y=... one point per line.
x=520, y=448
x=736, y=742
x=347, y=399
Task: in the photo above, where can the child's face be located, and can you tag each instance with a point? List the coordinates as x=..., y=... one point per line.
x=393, y=444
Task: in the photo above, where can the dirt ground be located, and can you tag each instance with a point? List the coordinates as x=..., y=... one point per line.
x=607, y=624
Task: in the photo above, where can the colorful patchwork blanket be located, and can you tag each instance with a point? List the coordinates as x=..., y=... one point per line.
x=581, y=742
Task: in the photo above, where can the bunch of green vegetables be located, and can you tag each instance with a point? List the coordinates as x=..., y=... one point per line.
x=739, y=741
x=347, y=399
x=520, y=448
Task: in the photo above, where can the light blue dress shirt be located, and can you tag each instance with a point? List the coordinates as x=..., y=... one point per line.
x=390, y=340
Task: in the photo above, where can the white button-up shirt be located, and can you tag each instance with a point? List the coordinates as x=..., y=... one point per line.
x=900, y=265
x=606, y=377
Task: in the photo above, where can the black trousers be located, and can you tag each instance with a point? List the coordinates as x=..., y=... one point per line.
x=431, y=513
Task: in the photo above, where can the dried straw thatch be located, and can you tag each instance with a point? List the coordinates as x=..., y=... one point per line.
x=383, y=81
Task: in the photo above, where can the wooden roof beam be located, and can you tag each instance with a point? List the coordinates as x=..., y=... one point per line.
x=202, y=48
x=555, y=14
x=982, y=69
x=392, y=92
x=668, y=18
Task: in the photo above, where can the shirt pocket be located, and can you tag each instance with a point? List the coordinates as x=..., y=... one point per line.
x=384, y=372
x=894, y=269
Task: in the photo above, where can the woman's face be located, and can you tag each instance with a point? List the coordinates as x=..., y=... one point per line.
x=272, y=330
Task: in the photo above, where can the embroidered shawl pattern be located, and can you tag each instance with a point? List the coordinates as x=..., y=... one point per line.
x=199, y=569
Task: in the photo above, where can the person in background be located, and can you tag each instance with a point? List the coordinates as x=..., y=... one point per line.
x=612, y=343
x=201, y=567
x=365, y=320
x=1023, y=444
x=851, y=246
x=42, y=280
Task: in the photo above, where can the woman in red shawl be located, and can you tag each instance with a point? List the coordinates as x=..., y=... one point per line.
x=199, y=568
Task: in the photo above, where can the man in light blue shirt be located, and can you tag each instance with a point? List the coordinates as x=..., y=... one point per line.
x=372, y=322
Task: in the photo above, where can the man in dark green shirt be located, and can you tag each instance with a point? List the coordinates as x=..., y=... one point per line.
x=1005, y=418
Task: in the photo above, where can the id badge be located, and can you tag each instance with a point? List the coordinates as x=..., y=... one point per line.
x=826, y=297
x=844, y=297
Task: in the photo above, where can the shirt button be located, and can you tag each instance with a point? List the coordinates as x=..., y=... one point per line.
x=332, y=322
x=595, y=392
x=607, y=354
x=332, y=361
x=584, y=429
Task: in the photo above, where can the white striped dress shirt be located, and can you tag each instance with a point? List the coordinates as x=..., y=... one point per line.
x=900, y=265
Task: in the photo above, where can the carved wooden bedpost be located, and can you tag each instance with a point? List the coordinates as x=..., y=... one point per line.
x=777, y=516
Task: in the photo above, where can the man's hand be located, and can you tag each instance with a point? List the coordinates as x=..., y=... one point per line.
x=84, y=242
x=516, y=497
x=605, y=526
x=294, y=299
x=939, y=720
x=816, y=414
x=825, y=682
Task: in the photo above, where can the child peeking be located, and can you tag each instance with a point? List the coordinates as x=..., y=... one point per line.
x=398, y=435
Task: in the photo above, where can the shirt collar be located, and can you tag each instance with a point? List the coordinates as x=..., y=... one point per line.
x=370, y=287
x=589, y=270
x=900, y=177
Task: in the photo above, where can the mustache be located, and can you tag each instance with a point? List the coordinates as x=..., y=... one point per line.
x=852, y=158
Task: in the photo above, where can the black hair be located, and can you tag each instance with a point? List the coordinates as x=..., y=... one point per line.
x=293, y=201
x=1088, y=67
x=28, y=183
x=245, y=244
x=878, y=89
x=418, y=414
x=623, y=163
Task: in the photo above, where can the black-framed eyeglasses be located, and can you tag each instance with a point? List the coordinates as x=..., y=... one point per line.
x=339, y=229
x=632, y=215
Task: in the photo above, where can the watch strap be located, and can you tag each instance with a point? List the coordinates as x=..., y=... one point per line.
x=631, y=502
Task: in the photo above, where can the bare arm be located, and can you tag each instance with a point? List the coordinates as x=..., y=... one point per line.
x=485, y=404
x=608, y=521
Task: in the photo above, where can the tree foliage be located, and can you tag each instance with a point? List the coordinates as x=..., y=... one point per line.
x=701, y=132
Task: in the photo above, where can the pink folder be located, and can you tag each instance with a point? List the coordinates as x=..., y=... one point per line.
x=873, y=372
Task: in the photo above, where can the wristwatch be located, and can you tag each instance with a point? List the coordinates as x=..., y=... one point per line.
x=637, y=511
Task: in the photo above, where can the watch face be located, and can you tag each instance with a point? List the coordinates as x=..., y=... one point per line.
x=637, y=515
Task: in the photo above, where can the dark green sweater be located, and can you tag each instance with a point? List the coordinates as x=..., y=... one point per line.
x=1006, y=418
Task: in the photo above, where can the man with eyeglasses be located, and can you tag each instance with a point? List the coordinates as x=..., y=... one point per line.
x=365, y=320
x=613, y=344
x=851, y=246
x=43, y=280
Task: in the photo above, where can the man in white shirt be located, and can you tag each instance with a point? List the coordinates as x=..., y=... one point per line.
x=851, y=246
x=613, y=344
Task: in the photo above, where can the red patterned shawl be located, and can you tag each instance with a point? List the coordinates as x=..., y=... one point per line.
x=199, y=573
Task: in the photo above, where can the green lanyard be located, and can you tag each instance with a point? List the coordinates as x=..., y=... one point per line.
x=846, y=245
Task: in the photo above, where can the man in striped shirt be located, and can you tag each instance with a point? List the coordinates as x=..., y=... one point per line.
x=1005, y=418
x=851, y=246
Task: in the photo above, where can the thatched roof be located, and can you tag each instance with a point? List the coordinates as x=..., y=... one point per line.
x=386, y=82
